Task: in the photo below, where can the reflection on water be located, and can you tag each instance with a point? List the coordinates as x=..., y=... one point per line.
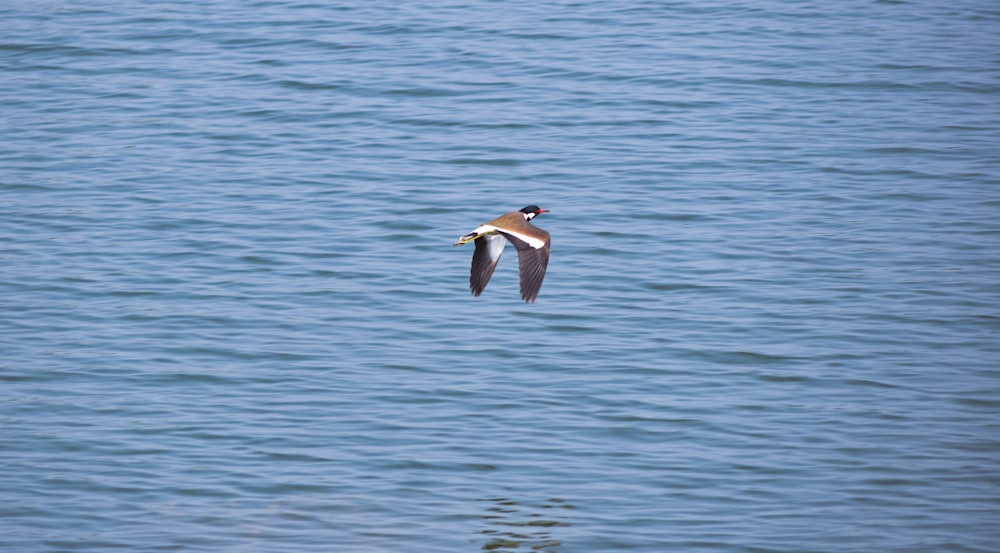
x=512, y=524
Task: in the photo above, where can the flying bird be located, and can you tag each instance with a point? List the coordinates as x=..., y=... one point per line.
x=531, y=242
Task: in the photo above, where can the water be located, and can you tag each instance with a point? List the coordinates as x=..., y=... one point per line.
x=233, y=319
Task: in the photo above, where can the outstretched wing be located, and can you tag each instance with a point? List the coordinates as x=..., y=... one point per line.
x=484, y=260
x=532, y=261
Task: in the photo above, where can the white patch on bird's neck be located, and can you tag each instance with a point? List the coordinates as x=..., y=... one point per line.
x=529, y=216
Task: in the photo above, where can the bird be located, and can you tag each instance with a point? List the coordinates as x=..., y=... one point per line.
x=531, y=242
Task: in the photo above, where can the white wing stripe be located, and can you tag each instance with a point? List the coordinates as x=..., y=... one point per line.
x=529, y=240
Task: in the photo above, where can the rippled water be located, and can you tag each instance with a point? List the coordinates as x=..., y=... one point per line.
x=233, y=319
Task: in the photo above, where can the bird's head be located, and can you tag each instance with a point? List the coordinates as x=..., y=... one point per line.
x=532, y=211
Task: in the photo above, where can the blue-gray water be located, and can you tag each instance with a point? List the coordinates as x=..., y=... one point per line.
x=233, y=318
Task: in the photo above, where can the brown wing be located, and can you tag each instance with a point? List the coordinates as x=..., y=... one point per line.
x=532, y=262
x=484, y=261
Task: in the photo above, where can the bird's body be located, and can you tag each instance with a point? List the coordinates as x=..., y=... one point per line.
x=532, y=245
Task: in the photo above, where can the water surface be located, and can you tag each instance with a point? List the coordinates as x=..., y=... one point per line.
x=233, y=319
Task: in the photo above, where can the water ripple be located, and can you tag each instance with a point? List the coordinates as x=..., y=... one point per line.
x=234, y=318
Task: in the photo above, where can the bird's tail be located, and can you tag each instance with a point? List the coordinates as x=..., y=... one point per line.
x=481, y=231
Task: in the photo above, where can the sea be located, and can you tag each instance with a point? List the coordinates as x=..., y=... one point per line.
x=232, y=318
